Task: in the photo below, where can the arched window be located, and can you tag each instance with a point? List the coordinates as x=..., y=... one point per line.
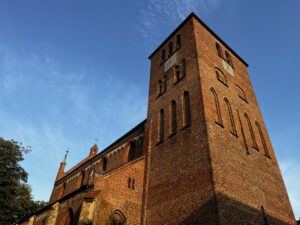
x=163, y=55
x=262, y=140
x=178, y=41
x=161, y=125
x=117, y=218
x=217, y=106
x=160, y=88
x=180, y=71
x=132, y=151
x=228, y=59
x=129, y=182
x=232, y=123
x=219, y=50
x=173, y=125
x=187, y=109
x=221, y=76
x=242, y=131
x=251, y=131
x=104, y=164
x=241, y=93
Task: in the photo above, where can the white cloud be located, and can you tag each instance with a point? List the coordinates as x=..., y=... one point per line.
x=291, y=174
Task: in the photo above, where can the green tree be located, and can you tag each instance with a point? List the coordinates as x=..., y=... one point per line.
x=15, y=194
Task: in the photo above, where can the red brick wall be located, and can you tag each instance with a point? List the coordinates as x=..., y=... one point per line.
x=243, y=182
x=179, y=183
x=116, y=195
x=79, y=175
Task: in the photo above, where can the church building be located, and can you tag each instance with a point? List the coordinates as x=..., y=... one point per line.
x=202, y=156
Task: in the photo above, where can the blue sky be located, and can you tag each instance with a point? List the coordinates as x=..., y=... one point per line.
x=71, y=71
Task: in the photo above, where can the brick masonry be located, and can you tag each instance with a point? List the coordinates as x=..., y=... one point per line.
x=203, y=156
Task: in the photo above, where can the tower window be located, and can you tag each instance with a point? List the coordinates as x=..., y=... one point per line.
x=104, y=164
x=221, y=76
x=161, y=125
x=262, y=140
x=170, y=48
x=217, y=106
x=173, y=117
x=163, y=55
x=187, y=110
x=228, y=59
x=160, y=88
x=231, y=118
x=178, y=41
x=219, y=50
x=254, y=144
x=243, y=133
x=241, y=93
x=180, y=71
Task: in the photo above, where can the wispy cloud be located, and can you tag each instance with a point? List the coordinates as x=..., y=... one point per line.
x=159, y=13
x=51, y=107
x=290, y=171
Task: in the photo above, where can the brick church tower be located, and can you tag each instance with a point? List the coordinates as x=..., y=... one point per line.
x=209, y=159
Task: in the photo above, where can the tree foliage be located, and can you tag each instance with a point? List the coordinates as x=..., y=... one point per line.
x=15, y=194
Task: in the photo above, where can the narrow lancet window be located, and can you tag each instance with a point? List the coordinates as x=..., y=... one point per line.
x=221, y=76
x=187, y=109
x=219, y=50
x=230, y=114
x=129, y=182
x=263, y=140
x=241, y=93
x=161, y=125
x=254, y=144
x=228, y=59
x=173, y=117
x=217, y=106
x=180, y=71
x=243, y=133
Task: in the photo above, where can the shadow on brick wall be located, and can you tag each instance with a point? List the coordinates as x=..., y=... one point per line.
x=232, y=212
